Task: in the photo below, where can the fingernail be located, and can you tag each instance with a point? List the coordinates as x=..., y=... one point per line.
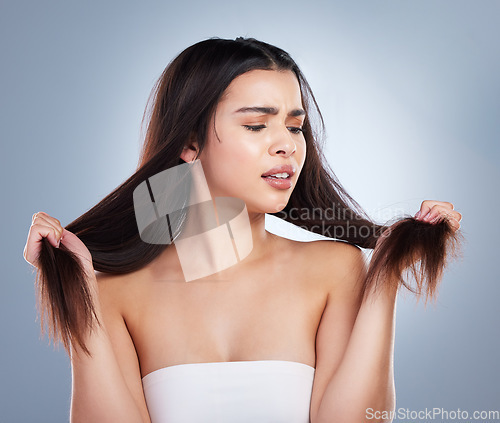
x=417, y=215
x=58, y=243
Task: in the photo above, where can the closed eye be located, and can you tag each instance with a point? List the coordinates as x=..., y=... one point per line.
x=296, y=130
x=256, y=128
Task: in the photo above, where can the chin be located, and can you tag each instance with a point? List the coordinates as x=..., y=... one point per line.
x=258, y=201
x=265, y=206
x=278, y=208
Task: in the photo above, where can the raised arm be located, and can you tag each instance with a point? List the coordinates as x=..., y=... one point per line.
x=107, y=386
x=354, y=343
x=356, y=374
x=363, y=380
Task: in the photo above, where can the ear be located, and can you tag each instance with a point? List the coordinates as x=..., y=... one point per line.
x=190, y=151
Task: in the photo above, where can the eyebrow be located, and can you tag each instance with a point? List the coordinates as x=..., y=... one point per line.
x=269, y=111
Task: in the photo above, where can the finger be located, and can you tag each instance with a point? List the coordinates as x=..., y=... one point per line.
x=429, y=209
x=453, y=214
x=426, y=210
x=436, y=213
x=44, y=218
x=36, y=234
x=45, y=231
x=48, y=218
x=440, y=211
x=453, y=222
x=452, y=217
x=40, y=214
x=427, y=206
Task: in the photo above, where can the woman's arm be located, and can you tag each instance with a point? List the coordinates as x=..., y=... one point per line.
x=359, y=365
x=107, y=387
x=359, y=387
x=362, y=388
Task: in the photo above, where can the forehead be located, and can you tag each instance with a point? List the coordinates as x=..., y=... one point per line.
x=259, y=87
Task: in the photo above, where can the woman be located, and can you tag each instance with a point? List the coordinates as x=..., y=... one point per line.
x=291, y=331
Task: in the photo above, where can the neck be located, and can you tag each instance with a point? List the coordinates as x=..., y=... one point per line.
x=261, y=239
x=218, y=233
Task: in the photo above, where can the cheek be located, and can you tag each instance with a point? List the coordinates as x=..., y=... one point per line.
x=304, y=153
x=300, y=154
x=240, y=160
x=234, y=160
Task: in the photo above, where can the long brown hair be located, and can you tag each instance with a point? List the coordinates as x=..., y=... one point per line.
x=180, y=107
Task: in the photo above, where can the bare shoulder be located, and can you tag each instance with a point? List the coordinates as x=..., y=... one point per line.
x=339, y=266
x=113, y=293
x=340, y=269
x=115, y=290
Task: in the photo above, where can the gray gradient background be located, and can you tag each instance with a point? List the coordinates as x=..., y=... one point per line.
x=410, y=94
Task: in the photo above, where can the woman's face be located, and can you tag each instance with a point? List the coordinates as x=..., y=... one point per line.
x=254, y=140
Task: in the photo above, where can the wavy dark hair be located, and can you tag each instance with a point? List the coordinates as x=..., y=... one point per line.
x=180, y=109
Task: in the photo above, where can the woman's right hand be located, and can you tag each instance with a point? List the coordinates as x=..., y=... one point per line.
x=45, y=226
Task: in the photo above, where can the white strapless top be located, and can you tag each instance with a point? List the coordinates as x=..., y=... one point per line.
x=265, y=391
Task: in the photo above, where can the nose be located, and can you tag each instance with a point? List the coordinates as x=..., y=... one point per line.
x=283, y=144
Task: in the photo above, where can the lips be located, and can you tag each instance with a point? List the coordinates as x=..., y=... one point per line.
x=279, y=183
x=280, y=169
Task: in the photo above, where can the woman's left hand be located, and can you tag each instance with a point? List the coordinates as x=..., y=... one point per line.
x=435, y=211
